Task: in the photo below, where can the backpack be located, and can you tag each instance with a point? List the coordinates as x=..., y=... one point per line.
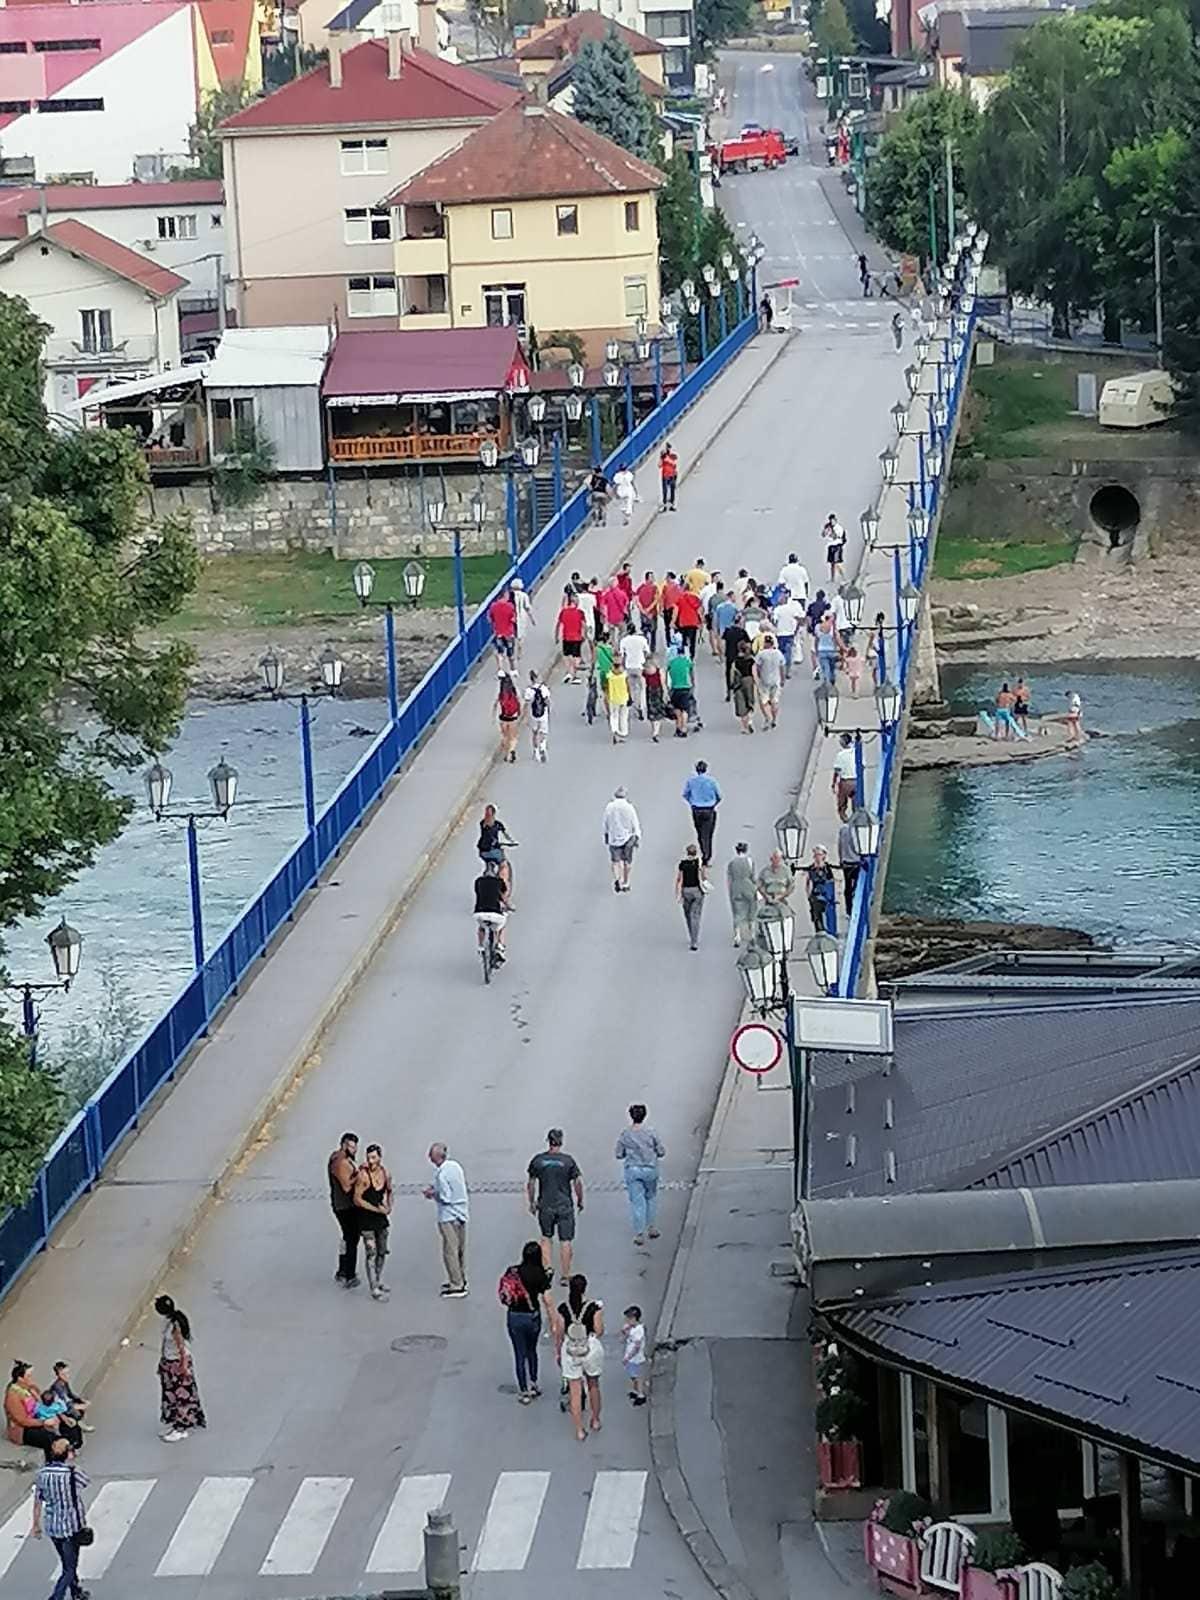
x=512, y=1291
x=538, y=704
x=578, y=1338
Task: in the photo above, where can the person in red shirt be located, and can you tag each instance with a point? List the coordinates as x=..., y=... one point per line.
x=502, y=614
x=668, y=472
x=615, y=603
x=625, y=579
x=569, y=631
x=687, y=619
x=647, y=604
x=668, y=600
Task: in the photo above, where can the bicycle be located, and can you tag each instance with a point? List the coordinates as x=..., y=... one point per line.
x=489, y=952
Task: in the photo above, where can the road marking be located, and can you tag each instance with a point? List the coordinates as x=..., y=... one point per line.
x=297, y=1547
x=614, y=1516
x=204, y=1528
x=112, y=1515
x=14, y=1533
x=511, y=1522
x=400, y=1546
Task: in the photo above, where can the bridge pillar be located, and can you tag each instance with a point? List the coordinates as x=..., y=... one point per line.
x=926, y=684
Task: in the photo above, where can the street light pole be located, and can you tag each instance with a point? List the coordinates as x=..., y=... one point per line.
x=193, y=857
x=460, y=593
x=310, y=799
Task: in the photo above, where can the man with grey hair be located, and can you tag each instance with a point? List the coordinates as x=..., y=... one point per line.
x=622, y=835
x=449, y=1191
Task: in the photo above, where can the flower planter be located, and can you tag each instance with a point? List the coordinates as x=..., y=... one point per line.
x=839, y=1462
x=980, y=1585
x=896, y=1559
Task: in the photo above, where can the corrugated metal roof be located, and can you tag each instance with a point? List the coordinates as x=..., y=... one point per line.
x=980, y=1085
x=446, y=361
x=1062, y=1344
x=269, y=358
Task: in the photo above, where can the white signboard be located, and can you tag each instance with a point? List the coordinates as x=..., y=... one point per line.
x=864, y=1026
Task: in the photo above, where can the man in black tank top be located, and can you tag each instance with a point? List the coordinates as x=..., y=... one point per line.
x=343, y=1170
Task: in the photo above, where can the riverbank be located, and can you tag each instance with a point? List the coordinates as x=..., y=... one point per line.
x=1098, y=608
x=909, y=944
x=928, y=747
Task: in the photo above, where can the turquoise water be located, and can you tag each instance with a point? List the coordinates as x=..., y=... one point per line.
x=1106, y=839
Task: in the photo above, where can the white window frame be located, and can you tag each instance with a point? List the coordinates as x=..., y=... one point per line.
x=360, y=157
x=508, y=291
x=177, y=225
x=100, y=342
x=502, y=211
x=359, y=224
x=637, y=289
x=381, y=297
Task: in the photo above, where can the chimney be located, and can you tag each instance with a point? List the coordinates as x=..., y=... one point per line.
x=395, y=49
x=427, y=26
x=335, y=62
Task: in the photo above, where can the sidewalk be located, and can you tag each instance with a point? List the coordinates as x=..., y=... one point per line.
x=105, y=1263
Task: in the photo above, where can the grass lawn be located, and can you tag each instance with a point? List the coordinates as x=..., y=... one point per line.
x=1013, y=399
x=267, y=591
x=979, y=558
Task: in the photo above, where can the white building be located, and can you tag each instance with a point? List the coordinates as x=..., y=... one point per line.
x=99, y=93
x=671, y=23
x=112, y=313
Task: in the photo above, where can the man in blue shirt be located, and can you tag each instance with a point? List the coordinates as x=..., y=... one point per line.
x=58, y=1508
x=703, y=795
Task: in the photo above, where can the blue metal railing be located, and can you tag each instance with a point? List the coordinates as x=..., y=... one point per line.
x=887, y=778
x=79, y=1154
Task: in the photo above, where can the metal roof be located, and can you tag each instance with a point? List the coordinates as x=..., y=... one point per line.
x=975, y=1085
x=269, y=358
x=157, y=383
x=1107, y=1348
x=385, y=366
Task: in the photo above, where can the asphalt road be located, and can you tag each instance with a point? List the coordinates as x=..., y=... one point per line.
x=335, y=1420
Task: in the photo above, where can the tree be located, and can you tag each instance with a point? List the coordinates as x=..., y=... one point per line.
x=204, y=142
x=871, y=35
x=80, y=580
x=831, y=29
x=719, y=20
x=1181, y=277
x=910, y=165
x=607, y=95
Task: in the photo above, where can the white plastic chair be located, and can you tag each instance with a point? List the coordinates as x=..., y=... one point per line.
x=1037, y=1581
x=944, y=1551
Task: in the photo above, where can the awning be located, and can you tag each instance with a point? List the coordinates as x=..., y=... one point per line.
x=135, y=388
x=416, y=399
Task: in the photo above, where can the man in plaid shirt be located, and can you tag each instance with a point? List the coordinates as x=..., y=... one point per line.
x=58, y=1506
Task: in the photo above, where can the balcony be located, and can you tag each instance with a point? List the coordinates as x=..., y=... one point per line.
x=137, y=350
x=422, y=256
x=413, y=321
x=409, y=447
x=172, y=458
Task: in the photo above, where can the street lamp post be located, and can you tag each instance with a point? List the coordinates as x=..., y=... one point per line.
x=66, y=950
x=364, y=583
x=222, y=783
x=332, y=670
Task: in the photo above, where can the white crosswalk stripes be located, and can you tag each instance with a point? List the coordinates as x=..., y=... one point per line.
x=297, y=1547
x=400, y=1546
x=204, y=1528
x=112, y=1515
x=13, y=1533
x=511, y=1522
x=614, y=1517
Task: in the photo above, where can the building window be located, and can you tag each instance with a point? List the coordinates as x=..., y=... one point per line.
x=47, y=46
x=216, y=220
x=504, y=304
x=363, y=226
x=231, y=416
x=373, y=296
x=14, y=108
x=364, y=155
x=502, y=227
x=667, y=24
x=856, y=85
x=97, y=331
x=637, y=300
x=632, y=218
x=177, y=227
x=70, y=105
x=222, y=36
x=567, y=219
x=12, y=47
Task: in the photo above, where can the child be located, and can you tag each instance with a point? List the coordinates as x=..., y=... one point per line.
x=76, y=1405
x=635, y=1354
x=853, y=664
x=50, y=1405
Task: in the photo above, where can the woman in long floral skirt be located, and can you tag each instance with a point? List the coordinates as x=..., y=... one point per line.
x=181, y=1408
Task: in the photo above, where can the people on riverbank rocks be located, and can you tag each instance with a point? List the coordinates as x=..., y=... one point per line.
x=1074, y=719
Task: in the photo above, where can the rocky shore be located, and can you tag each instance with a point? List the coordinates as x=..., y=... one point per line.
x=908, y=944
x=960, y=742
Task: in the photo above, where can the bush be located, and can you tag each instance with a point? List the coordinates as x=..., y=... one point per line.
x=997, y=1548
x=245, y=466
x=1093, y=1582
x=902, y=1511
x=840, y=1414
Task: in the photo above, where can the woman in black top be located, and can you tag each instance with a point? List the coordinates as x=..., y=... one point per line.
x=524, y=1319
x=690, y=890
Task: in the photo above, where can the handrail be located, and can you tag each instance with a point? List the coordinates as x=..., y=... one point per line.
x=83, y=1148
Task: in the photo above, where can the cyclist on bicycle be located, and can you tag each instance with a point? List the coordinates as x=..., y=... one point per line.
x=493, y=836
x=598, y=496
x=491, y=907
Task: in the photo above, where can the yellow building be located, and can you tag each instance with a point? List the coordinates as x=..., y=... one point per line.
x=549, y=46
x=536, y=220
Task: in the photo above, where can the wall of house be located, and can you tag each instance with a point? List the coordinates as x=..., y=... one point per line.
x=316, y=15
x=571, y=280
x=149, y=94
x=286, y=199
x=137, y=227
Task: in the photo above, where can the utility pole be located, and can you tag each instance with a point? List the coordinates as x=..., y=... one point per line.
x=1158, y=298
x=949, y=193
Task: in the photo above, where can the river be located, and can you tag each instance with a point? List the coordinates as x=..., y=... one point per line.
x=1106, y=840
x=132, y=906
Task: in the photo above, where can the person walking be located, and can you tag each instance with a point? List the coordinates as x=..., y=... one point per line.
x=827, y=648
x=668, y=472
x=523, y=1289
x=577, y=1336
x=449, y=1192
x=742, y=678
x=794, y=576
x=554, y=1190
x=733, y=637
x=617, y=694
x=508, y=713
x=180, y=1410
x=656, y=702
x=568, y=633
x=786, y=620
x=537, y=698
x=821, y=894
x=835, y=547
x=776, y=880
x=703, y=794
x=373, y=1197
x=502, y=614
x=524, y=609
x=898, y=330
x=850, y=863
x=58, y=1510
x=688, y=617
x=864, y=276
x=342, y=1168
x=1074, y=719
x=766, y=313
x=769, y=668
x=679, y=682
x=691, y=885
x=640, y=1150
x=743, y=893
x=625, y=490
x=646, y=598
x=844, y=782
x=633, y=651
x=622, y=835
x=598, y=492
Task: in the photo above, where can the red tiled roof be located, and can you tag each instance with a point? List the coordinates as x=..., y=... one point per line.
x=569, y=37
x=85, y=242
x=427, y=90
x=16, y=204
x=452, y=361
x=529, y=153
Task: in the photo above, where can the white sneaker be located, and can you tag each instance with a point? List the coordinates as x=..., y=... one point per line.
x=174, y=1436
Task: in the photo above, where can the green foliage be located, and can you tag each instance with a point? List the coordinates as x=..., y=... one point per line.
x=607, y=95
x=79, y=581
x=1139, y=187
x=831, y=28
x=719, y=20
x=997, y=1548
x=244, y=467
x=204, y=142
x=1181, y=277
x=688, y=234
x=1092, y=1582
x=840, y=1415
x=92, y=1045
x=871, y=35
x=903, y=1510
x=563, y=339
x=912, y=154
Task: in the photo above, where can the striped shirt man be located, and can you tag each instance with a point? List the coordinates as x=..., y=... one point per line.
x=61, y=1507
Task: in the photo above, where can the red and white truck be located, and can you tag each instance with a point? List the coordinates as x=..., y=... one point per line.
x=750, y=151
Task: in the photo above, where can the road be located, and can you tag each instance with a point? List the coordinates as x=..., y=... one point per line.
x=334, y=1420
